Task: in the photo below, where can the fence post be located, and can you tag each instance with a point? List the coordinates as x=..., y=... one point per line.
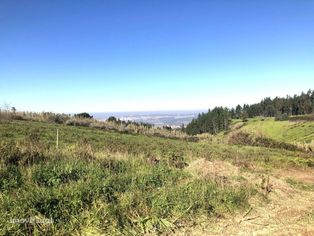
x=57, y=138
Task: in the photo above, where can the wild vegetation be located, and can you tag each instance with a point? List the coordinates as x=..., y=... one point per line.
x=63, y=174
x=296, y=105
x=86, y=120
x=218, y=119
x=211, y=122
x=102, y=182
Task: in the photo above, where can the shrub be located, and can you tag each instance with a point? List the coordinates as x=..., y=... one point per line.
x=281, y=117
x=79, y=122
x=309, y=117
x=83, y=115
x=242, y=138
x=112, y=119
x=54, y=117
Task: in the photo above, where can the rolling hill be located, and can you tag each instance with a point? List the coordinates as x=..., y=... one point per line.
x=102, y=182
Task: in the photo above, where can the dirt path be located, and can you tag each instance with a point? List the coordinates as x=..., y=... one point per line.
x=287, y=211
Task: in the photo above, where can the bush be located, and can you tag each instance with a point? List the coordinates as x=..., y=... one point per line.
x=83, y=115
x=281, y=117
x=309, y=117
x=54, y=117
x=79, y=122
x=242, y=138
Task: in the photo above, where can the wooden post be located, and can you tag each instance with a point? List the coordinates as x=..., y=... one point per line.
x=57, y=138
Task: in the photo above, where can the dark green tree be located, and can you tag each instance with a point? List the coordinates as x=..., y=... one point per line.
x=83, y=115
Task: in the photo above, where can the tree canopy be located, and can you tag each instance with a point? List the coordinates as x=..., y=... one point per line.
x=211, y=122
x=83, y=115
x=297, y=105
x=219, y=118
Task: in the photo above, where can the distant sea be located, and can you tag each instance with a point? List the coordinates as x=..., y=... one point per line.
x=157, y=118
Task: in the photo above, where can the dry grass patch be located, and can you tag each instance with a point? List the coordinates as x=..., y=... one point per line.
x=202, y=168
x=302, y=175
x=286, y=211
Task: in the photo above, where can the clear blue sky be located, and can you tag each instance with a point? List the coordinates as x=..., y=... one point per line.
x=114, y=55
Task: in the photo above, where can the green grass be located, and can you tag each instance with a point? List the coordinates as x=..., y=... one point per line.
x=300, y=185
x=83, y=139
x=285, y=131
x=112, y=183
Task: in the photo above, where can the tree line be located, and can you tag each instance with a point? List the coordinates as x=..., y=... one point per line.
x=296, y=105
x=219, y=118
x=211, y=122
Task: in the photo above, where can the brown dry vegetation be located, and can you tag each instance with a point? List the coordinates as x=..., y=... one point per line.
x=277, y=209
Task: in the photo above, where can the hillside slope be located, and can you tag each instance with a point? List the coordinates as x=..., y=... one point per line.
x=285, y=131
x=99, y=182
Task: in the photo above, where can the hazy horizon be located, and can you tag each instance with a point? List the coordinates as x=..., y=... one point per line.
x=234, y=104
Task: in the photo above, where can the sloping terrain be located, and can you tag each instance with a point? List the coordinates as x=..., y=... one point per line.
x=283, y=209
x=107, y=183
x=285, y=131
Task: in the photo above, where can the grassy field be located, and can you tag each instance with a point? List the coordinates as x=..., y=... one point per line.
x=286, y=131
x=100, y=182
